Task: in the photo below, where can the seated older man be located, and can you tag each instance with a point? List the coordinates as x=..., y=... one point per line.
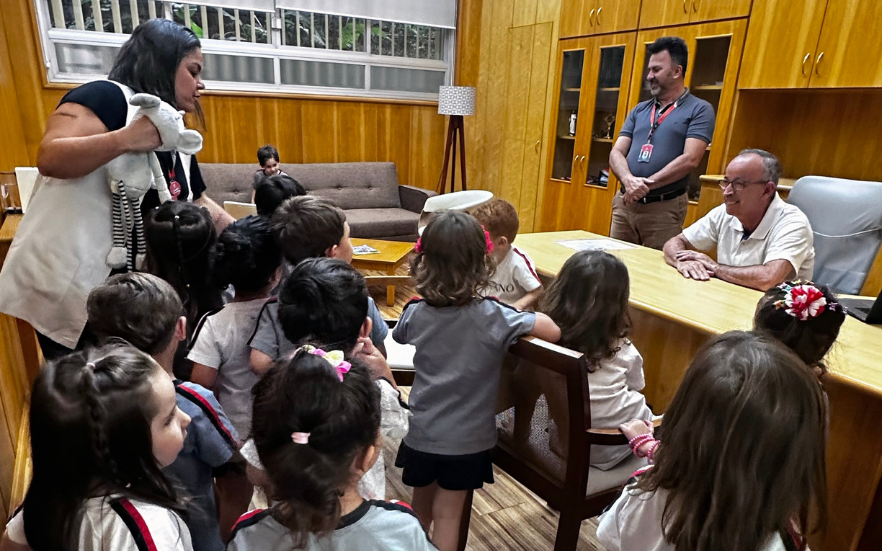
x=761, y=240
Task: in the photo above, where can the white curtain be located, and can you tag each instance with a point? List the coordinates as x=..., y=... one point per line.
x=434, y=13
x=254, y=5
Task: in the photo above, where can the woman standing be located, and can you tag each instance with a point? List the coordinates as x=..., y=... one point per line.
x=59, y=251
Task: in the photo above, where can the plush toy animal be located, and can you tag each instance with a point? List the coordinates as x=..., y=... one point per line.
x=131, y=175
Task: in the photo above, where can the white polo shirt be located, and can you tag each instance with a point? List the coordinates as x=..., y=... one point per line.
x=783, y=233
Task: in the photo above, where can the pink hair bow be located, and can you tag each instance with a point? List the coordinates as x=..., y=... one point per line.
x=300, y=437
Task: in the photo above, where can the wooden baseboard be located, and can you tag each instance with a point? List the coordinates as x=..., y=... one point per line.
x=21, y=474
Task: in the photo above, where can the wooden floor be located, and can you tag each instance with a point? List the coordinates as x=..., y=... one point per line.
x=505, y=515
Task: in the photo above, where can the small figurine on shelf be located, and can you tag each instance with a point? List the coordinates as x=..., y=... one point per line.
x=573, y=123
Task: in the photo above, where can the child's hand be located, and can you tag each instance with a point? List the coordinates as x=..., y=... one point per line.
x=374, y=360
x=636, y=427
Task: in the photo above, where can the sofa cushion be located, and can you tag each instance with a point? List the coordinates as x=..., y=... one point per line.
x=350, y=185
x=227, y=181
x=379, y=223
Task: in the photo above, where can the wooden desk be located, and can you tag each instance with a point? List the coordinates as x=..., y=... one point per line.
x=7, y=232
x=674, y=316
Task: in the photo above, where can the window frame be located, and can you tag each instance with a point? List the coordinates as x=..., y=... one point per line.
x=50, y=36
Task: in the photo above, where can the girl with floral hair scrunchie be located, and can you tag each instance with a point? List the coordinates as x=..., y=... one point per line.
x=803, y=316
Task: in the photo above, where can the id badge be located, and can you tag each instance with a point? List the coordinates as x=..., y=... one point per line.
x=174, y=188
x=645, y=153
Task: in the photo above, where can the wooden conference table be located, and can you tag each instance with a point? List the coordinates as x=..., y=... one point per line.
x=673, y=316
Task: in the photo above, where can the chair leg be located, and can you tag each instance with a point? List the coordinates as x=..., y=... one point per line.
x=567, y=532
x=464, y=522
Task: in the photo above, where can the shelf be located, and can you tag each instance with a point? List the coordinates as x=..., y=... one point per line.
x=561, y=180
x=566, y=137
x=616, y=89
x=602, y=140
x=708, y=87
x=572, y=89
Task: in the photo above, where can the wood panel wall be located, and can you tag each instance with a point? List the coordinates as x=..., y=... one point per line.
x=515, y=64
x=823, y=133
x=304, y=129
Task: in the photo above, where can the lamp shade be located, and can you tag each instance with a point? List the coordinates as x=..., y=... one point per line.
x=456, y=100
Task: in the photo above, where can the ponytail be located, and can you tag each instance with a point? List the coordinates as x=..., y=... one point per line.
x=309, y=427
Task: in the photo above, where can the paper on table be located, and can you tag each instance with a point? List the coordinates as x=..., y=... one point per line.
x=364, y=249
x=594, y=245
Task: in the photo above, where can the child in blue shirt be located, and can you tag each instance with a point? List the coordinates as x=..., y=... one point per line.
x=460, y=341
x=147, y=312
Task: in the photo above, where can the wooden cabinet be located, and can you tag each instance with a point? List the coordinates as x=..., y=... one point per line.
x=667, y=13
x=590, y=17
x=615, y=16
x=664, y=13
x=524, y=117
x=814, y=43
x=714, y=57
x=781, y=42
x=849, y=52
x=591, y=103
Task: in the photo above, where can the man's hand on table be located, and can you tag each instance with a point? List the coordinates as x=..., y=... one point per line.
x=696, y=265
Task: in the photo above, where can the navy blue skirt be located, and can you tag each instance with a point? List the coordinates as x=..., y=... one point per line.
x=451, y=472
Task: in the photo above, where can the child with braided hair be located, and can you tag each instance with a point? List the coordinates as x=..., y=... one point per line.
x=146, y=311
x=180, y=249
x=103, y=424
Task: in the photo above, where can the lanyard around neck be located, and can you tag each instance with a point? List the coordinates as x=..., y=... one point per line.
x=662, y=115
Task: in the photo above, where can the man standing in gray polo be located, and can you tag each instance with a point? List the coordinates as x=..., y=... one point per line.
x=661, y=142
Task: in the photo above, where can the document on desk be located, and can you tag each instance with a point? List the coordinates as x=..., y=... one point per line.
x=595, y=245
x=364, y=249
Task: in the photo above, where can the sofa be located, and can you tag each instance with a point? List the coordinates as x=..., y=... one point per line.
x=376, y=205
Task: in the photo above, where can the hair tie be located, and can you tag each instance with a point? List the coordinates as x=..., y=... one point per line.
x=91, y=365
x=488, y=240
x=419, y=245
x=803, y=302
x=334, y=357
x=300, y=437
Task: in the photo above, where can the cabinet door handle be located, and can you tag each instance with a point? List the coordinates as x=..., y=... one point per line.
x=598, y=15
x=685, y=9
x=573, y=168
x=695, y=5
x=581, y=161
x=591, y=17
x=817, y=63
x=804, y=60
x=538, y=142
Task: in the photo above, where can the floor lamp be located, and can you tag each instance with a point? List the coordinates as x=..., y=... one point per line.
x=456, y=101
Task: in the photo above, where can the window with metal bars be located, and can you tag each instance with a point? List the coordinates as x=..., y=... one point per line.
x=288, y=50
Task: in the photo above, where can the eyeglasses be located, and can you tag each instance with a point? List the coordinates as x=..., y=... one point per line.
x=736, y=185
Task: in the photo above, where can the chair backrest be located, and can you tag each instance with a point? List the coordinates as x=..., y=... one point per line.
x=239, y=210
x=846, y=219
x=545, y=412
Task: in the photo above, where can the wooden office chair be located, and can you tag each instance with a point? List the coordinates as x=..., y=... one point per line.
x=545, y=440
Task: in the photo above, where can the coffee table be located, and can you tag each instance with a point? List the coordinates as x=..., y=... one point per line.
x=392, y=255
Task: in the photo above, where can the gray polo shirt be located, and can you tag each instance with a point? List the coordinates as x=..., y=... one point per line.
x=373, y=526
x=693, y=118
x=269, y=337
x=457, y=364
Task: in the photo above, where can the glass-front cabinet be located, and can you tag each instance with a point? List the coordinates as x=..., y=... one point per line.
x=714, y=57
x=590, y=107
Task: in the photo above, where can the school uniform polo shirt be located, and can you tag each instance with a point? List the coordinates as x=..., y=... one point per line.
x=783, y=233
